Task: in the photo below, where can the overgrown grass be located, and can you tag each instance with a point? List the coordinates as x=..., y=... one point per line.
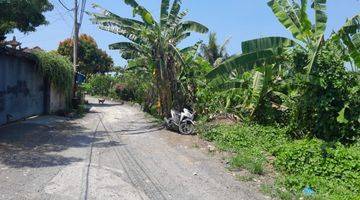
x=251, y=143
x=332, y=170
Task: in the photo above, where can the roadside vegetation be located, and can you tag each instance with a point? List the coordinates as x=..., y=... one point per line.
x=58, y=69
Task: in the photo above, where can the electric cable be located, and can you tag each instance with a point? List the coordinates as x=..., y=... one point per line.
x=63, y=5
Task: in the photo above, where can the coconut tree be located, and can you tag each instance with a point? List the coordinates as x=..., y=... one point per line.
x=154, y=43
x=214, y=52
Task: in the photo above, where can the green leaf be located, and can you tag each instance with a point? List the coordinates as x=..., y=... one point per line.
x=141, y=11
x=193, y=26
x=241, y=63
x=341, y=118
x=314, y=54
x=165, y=4
x=287, y=16
x=273, y=43
x=257, y=88
x=349, y=35
x=320, y=17
x=307, y=26
x=175, y=9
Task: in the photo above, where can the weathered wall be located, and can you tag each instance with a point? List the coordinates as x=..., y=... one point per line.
x=22, y=88
x=58, y=101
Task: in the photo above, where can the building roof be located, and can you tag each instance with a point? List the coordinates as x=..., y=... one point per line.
x=23, y=54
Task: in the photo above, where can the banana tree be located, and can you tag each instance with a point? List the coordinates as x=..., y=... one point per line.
x=262, y=53
x=258, y=59
x=155, y=42
x=349, y=37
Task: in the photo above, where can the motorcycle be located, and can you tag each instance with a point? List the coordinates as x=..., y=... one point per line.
x=183, y=121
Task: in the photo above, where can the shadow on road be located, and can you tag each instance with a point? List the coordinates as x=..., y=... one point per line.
x=105, y=105
x=36, y=145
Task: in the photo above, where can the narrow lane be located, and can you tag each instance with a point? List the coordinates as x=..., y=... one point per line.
x=114, y=152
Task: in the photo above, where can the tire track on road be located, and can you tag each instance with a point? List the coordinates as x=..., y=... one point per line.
x=85, y=187
x=136, y=172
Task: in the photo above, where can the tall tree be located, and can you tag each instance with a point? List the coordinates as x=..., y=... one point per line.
x=92, y=59
x=214, y=52
x=155, y=44
x=22, y=15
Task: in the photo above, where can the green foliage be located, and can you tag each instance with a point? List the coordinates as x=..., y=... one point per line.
x=100, y=85
x=249, y=142
x=154, y=43
x=349, y=37
x=329, y=91
x=213, y=52
x=252, y=161
x=332, y=170
x=22, y=15
x=56, y=68
x=91, y=59
x=192, y=78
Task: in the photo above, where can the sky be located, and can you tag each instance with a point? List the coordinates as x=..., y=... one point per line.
x=238, y=20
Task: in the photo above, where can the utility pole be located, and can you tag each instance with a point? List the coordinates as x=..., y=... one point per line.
x=76, y=34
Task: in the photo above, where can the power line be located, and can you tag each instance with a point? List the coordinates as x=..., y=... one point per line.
x=63, y=5
x=62, y=16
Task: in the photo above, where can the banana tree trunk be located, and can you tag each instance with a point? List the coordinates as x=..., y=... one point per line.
x=164, y=91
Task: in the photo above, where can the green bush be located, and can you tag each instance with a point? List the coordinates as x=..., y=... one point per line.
x=57, y=68
x=328, y=91
x=100, y=85
x=332, y=170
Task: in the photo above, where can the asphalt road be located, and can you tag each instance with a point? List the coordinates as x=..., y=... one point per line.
x=114, y=152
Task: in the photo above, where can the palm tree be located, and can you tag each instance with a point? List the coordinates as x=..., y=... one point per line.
x=154, y=44
x=213, y=52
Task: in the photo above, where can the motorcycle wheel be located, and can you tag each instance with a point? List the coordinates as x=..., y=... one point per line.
x=186, y=128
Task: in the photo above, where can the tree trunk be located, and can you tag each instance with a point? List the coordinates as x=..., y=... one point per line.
x=165, y=94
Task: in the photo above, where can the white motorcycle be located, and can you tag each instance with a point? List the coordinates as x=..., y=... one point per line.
x=183, y=121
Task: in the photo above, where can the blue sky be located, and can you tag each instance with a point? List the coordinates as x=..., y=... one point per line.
x=239, y=19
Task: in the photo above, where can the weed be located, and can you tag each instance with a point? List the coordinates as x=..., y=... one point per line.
x=245, y=178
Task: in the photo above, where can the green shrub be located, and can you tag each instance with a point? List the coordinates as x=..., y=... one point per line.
x=57, y=68
x=332, y=170
x=328, y=91
x=100, y=85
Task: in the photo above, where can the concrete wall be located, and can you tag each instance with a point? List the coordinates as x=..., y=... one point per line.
x=22, y=88
x=24, y=92
x=58, y=101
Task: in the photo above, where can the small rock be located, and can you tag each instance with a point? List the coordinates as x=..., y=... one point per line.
x=211, y=148
x=195, y=174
